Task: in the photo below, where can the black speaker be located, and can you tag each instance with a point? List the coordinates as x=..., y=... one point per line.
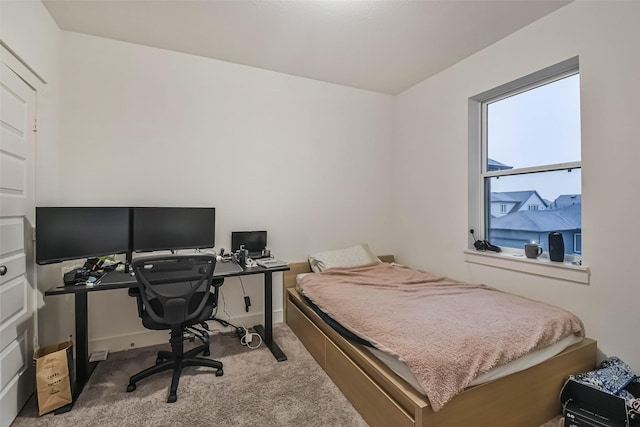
x=556, y=247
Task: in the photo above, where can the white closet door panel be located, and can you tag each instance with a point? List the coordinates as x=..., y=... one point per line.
x=12, y=256
x=15, y=266
x=11, y=236
x=14, y=311
x=17, y=118
x=13, y=300
x=15, y=99
x=12, y=360
x=12, y=171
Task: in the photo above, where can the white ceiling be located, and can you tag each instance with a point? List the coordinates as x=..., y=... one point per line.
x=381, y=45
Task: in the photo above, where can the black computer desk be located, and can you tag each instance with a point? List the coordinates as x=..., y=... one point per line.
x=121, y=280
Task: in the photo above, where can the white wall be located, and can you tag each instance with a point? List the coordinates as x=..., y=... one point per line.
x=27, y=30
x=431, y=150
x=306, y=160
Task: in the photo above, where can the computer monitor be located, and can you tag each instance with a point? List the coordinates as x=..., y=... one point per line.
x=172, y=228
x=66, y=233
x=253, y=241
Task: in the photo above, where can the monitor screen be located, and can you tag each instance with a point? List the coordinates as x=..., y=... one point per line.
x=65, y=233
x=165, y=228
x=253, y=241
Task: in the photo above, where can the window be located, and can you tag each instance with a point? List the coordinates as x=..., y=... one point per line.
x=528, y=153
x=503, y=208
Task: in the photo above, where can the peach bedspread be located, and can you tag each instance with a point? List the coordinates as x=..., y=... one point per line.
x=446, y=331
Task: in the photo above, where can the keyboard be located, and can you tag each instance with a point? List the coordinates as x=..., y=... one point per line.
x=270, y=263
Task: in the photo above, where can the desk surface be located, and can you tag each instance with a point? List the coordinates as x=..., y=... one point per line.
x=122, y=280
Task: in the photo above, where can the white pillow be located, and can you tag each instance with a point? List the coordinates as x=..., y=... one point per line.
x=349, y=257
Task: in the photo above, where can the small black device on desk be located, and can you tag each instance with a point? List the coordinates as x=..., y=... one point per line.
x=74, y=276
x=90, y=272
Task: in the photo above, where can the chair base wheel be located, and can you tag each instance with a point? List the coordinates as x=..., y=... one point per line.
x=172, y=398
x=130, y=388
x=219, y=373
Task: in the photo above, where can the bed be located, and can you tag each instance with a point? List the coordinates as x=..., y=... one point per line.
x=384, y=398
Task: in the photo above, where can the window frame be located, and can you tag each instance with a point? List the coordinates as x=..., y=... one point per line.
x=479, y=198
x=575, y=243
x=485, y=174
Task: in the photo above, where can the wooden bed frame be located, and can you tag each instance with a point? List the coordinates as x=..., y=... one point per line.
x=526, y=398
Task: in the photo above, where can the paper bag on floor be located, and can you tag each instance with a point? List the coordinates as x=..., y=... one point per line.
x=54, y=366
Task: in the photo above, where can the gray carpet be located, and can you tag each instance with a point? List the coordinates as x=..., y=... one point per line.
x=255, y=390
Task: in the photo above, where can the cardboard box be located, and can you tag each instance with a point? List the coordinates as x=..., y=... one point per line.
x=585, y=406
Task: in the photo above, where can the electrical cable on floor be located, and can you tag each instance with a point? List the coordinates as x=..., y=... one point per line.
x=246, y=337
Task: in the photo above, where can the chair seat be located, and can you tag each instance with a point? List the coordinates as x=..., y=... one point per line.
x=149, y=323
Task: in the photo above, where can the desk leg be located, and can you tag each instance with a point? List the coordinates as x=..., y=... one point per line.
x=84, y=368
x=266, y=332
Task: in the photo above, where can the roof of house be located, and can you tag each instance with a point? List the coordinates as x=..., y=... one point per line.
x=494, y=165
x=517, y=197
x=566, y=200
x=567, y=218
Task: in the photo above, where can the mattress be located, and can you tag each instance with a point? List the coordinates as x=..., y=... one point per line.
x=401, y=369
x=527, y=361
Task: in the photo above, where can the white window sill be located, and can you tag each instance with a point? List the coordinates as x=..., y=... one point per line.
x=540, y=266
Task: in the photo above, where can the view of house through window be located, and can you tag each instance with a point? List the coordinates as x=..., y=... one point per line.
x=531, y=164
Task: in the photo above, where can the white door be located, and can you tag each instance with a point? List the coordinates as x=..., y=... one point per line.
x=17, y=143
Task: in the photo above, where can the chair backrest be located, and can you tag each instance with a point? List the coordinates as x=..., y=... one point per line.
x=174, y=288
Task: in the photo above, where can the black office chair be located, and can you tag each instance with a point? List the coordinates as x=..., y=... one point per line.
x=174, y=292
